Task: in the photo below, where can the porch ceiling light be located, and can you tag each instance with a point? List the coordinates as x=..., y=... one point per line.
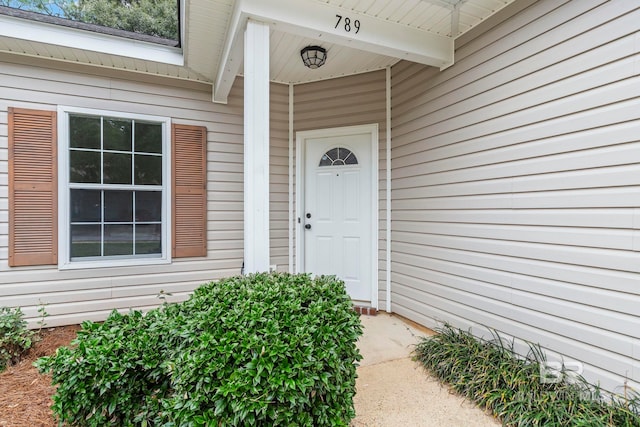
x=313, y=56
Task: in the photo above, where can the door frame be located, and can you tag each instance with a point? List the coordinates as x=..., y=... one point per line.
x=301, y=138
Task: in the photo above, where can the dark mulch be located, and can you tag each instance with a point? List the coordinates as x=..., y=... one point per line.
x=25, y=394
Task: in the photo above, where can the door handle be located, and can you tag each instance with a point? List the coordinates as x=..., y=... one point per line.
x=307, y=226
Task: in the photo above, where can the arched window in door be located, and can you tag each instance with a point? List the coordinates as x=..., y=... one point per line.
x=339, y=156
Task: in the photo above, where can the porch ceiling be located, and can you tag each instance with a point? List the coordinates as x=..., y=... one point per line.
x=209, y=33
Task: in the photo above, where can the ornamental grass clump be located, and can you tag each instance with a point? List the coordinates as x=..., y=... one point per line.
x=516, y=389
x=259, y=350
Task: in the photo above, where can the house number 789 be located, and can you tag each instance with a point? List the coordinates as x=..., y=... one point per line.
x=348, y=24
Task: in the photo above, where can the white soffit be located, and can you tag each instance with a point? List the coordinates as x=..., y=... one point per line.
x=46, y=33
x=421, y=31
x=434, y=16
x=209, y=26
x=332, y=24
x=287, y=67
x=207, y=23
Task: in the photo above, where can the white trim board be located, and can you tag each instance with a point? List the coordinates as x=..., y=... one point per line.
x=292, y=219
x=82, y=39
x=388, y=192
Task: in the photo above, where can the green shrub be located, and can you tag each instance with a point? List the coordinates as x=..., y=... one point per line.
x=493, y=376
x=261, y=350
x=15, y=339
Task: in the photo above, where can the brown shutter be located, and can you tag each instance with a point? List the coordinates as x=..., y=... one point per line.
x=33, y=188
x=189, y=191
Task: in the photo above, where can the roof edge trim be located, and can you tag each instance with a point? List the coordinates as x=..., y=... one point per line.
x=79, y=38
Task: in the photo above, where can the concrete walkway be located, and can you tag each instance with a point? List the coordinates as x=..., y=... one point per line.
x=393, y=390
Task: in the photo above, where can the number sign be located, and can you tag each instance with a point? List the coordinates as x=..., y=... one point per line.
x=348, y=24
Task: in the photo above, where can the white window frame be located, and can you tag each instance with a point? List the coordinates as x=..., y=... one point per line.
x=64, y=220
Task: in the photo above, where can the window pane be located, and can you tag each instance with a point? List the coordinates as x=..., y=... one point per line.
x=117, y=134
x=148, y=206
x=85, y=205
x=333, y=154
x=351, y=159
x=107, y=217
x=117, y=168
x=148, y=170
x=118, y=206
x=118, y=240
x=148, y=239
x=328, y=157
x=148, y=138
x=84, y=166
x=85, y=240
x=84, y=132
x=338, y=157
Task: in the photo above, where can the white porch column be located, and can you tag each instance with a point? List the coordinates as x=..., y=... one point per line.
x=256, y=147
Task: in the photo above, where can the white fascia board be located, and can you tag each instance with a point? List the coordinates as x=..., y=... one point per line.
x=86, y=40
x=449, y=4
x=317, y=20
x=183, y=27
x=232, y=55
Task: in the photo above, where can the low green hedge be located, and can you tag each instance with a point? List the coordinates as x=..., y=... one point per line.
x=513, y=389
x=15, y=338
x=258, y=350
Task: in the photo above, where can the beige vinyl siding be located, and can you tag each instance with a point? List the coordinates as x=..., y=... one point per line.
x=74, y=295
x=516, y=198
x=279, y=171
x=350, y=101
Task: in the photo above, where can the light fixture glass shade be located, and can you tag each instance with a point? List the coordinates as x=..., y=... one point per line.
x=313, y=56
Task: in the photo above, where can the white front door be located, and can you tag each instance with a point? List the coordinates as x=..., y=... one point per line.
x=336, y=216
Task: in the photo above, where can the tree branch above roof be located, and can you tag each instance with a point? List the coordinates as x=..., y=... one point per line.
x=54, y=20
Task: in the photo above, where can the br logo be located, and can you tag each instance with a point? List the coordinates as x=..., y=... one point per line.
x=555, y=372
